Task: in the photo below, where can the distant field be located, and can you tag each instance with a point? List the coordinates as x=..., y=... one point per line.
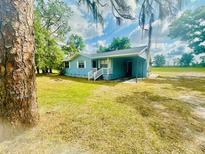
x=178, y=69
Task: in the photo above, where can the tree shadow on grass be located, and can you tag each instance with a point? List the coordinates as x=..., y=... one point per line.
x=168, y=118
x=80, y=80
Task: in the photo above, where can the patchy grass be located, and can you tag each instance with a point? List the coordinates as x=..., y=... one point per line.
x=193, y=84
x=79, y=116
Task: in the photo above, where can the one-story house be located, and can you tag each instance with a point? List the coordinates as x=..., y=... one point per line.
x=108, y=65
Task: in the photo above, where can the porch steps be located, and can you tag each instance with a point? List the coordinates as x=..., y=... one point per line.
x=96, y=74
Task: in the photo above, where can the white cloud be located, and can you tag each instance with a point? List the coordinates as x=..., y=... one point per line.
x=202, y=43
x=82, y=26
x=101, y=43
x=89, y=49
x=202, y=23
x=197, y=33
x=196, y=39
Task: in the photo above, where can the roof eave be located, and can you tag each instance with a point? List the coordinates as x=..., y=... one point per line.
x=121, y=55
x=113, y=56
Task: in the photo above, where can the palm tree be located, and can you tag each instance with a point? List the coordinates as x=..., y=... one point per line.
x=149, y=10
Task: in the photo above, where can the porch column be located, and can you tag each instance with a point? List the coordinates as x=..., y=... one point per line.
x=109, y=65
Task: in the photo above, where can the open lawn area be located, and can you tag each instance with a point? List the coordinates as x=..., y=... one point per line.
x=162, y=115
x=178, y=69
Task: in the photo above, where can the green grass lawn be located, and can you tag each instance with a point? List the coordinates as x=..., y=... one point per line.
x=80, y=116
x=178, y=69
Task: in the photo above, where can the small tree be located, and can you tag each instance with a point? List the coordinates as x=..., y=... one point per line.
x=186, y=59
x=74, y=45
x=51, y=25
x=77, y=42
x=48, y=55
x=69, y=49
x=159, y=60
x=117, y=44
x=40, y=41
x=120, y=43
x=54, y=55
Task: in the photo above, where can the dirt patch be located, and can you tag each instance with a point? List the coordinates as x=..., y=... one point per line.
x=153, y=76
x=197, y=101
x=23, y=144
x=159, y=106
x=200, y=112
x=200, y=141
x=194, y=100
x=191, y=75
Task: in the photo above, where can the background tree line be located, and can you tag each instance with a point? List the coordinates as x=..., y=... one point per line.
x=51, y=26
x=186, y=59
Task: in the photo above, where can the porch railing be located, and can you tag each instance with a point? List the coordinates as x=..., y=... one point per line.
x=101, y=72
x=95, y=74
x=91, y=73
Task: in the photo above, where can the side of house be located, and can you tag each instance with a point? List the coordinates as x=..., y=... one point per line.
x=78, y=66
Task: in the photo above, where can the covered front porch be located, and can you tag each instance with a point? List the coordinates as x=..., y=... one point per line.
x=118, y=67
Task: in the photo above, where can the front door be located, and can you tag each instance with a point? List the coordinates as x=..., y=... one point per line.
x=94, y=64
x=129, y=69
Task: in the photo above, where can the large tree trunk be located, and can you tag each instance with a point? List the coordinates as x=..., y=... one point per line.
x=18, y=103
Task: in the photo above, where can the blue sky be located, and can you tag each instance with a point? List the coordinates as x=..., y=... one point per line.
x=83, y=24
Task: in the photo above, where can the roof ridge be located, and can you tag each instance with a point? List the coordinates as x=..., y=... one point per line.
x=143, y=46
x=116, y=53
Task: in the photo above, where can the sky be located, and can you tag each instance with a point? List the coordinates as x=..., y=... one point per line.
x=82, y=23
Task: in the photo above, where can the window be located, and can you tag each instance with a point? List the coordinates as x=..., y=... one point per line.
x=67, y=64
x=103, y=64
x=81, y=64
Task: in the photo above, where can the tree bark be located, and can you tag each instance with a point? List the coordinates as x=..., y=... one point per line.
x=43, y=71
x=149, y=44
x=18, y=103
x=46, y=70
x=38, y=70
x=50, y=70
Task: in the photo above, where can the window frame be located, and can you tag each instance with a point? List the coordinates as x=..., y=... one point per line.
x=68, y=62
x=103, y=63
x=81, y=63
